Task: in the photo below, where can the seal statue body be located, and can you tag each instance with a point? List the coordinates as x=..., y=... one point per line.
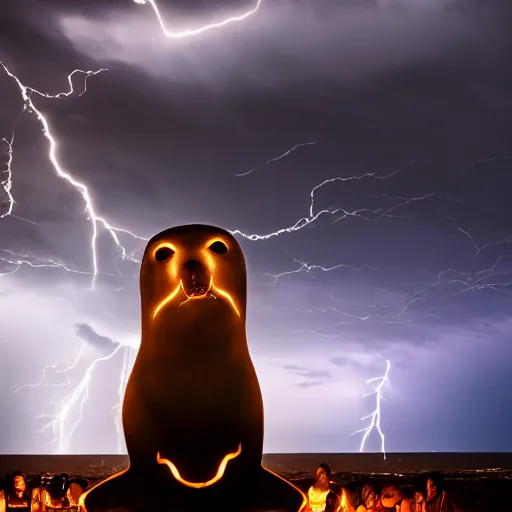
x=192, y=411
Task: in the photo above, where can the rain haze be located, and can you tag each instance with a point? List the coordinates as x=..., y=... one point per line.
x=360, y=151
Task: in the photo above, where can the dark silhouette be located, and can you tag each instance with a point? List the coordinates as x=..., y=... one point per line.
x=193, y=412
x=437, y=499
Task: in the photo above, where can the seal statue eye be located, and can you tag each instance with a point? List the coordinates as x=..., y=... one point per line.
x=218, y=247
x=163, y=254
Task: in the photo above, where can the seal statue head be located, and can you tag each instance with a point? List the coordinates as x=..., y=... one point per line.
x=193, y=403
x=191, y=275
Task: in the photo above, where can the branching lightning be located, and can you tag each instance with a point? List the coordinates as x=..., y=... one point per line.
x=26, y=93
x=309, y=267
x=78, y=398
x=272, y=160
x=61, y=422
x=75, y=402
x=60, y=366
x=16, y=261
x=478, y=248
x=339, y=213
x=6, y=181
x=375, y=416
x=80, y=394
x=193, y=32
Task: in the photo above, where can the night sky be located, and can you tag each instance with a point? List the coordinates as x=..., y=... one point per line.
x=404, y=106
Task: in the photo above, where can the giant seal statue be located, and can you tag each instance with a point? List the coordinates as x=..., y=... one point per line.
x=192, y=411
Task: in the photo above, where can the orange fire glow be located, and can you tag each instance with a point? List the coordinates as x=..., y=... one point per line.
x=164, y=244
x=200, y=485
x=227, y=296
x=191, y=297
x=216, y=239
x=81, y=500
x=212, y=288
x=343, y=500
x=304, y=496
x=166, y=300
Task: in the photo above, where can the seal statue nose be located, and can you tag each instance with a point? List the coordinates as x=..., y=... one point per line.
x=191, y=265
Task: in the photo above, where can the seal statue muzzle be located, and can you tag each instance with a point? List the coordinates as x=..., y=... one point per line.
x=192, y=411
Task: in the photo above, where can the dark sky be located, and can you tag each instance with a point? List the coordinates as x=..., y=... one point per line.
x=409, y=106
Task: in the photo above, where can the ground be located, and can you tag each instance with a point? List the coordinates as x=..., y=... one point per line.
x=479, y=482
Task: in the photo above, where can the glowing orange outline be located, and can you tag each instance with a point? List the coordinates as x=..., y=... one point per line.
x=175, y=292
x=163, y=244
x=166, y=300
x=200, y=485
x=227, y=296
x=190, y=297
x=81, y=500
x=304, y=496
x=216, y=239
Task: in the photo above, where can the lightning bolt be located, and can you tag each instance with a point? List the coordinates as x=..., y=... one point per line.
x=272, y=160
x=75, y=402
x=375, y=416
x=478, y=248
x=6, y=181
x=340, y=213
x=72, y=404
x=95, y=220
x=309, y=267
x=193, y=32
x=60, y=366
x=468, y=281
x=18, y=260
x=61, y=423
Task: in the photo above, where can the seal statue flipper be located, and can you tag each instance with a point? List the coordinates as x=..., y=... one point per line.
x=193, y=411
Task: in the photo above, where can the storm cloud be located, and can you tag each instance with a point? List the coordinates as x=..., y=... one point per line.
x=409, y=105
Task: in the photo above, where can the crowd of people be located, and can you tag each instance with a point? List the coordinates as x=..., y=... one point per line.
x=44, y=494
x=327, y=496
x=59, y=492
